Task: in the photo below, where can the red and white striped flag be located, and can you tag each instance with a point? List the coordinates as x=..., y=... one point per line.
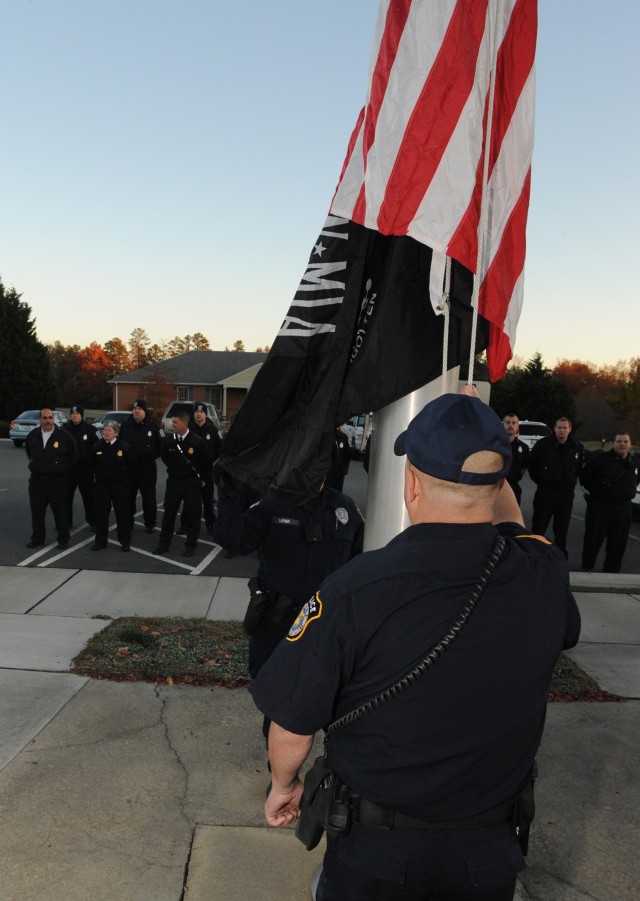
x=416, y=158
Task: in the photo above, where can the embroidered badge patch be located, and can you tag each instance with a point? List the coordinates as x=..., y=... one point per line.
x=311, y=610
x=342, y=516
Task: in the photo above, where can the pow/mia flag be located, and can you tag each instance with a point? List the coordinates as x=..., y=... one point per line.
x=360, y=333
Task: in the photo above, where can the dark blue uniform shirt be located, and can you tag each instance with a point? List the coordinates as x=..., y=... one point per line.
x=463, y=738
x=289, y=563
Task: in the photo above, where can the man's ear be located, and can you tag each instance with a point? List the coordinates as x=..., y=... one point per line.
x=412, y=486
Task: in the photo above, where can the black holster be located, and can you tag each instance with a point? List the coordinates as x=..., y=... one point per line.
x=315, y=804
x=325, y=806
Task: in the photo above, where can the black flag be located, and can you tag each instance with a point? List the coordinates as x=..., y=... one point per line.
x=361, y=332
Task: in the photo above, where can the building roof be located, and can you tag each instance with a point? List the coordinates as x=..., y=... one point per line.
x=196, y=367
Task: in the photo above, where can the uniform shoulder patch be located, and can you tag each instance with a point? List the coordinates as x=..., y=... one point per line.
x=537, y=538
x=342, y=515
x=311, y=610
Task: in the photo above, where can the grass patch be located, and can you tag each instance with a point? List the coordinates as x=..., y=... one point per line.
x=206, y=652
x=171, y=650
x=570, y=683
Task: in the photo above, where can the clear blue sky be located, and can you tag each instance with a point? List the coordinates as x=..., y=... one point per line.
x=168, y=165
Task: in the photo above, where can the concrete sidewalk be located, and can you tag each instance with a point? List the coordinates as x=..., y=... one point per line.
x=137, y=792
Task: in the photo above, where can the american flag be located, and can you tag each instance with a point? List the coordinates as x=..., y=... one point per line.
x=416, y=158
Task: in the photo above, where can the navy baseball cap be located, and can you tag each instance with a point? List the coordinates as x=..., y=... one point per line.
x=447, y=431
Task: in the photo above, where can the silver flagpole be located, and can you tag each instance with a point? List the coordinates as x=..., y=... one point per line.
x=386, y=515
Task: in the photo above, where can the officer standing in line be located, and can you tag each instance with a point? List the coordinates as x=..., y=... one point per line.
x=81, y=476
x=52, y=454
x=519, y=455
x=431, y=779
x=554, y=465
x=113, y=461
x=202, y=426
x=144, y=436
x=185, y=455
x=298, y=546
x=611, y=478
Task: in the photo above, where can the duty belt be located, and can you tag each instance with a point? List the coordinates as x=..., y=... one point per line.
x=366, y=813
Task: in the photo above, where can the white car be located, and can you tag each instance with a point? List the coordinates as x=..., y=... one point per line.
x=358, y=430
x=531, y=431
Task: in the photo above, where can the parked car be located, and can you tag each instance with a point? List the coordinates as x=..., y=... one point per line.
x=531, y=431
x=118, y=416
x=358, y=430
x=28, y=420
x=212, y=413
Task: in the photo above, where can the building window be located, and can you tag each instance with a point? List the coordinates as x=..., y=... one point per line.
x=214, y=396
x=184, y=392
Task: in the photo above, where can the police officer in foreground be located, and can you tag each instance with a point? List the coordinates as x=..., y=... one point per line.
x=204, y=428
x=611, y=479
x=81, y=475
x=519, y=455
x=143, y=435
x=52, y=455
x=429, y=784
x=187, y=460
x=554, y=465
x=112, y=460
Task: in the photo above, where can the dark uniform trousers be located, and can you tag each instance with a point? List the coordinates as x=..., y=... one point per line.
x=547, y=503
x=416, y=865
x=54, y=491
x=144, y=476
x=116, y=494
x=206, y=494
x=187, y=492
x=81, y=477
x=608, y=520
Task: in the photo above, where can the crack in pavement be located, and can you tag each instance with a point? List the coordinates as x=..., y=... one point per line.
x=182, y=798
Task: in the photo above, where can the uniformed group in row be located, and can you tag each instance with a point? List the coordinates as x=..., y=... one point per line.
x=556, y=464
x=109, y=473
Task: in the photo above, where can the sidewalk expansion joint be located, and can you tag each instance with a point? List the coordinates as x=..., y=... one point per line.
x=187, y=864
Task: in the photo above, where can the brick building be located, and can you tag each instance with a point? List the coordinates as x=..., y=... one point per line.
x=220, y=377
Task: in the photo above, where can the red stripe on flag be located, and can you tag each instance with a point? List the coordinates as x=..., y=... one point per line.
x=397, y=15
x=513, y=67
x=434, y=117
x=515, y=60
x=352, y=144
x=497, y=288
x=498, y=353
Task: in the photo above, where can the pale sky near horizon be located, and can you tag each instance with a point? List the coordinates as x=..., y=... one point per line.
x=169, y=166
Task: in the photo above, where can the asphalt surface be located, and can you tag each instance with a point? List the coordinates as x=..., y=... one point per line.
x=210, y=559
x=143, y=792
